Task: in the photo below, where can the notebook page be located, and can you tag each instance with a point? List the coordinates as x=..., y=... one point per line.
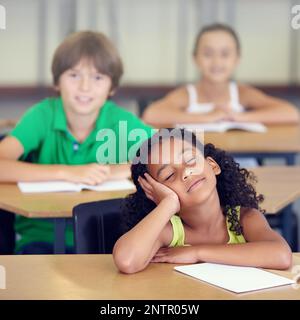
x=206, y=127
x=247, y=126
x=223, y=126
x=48, y=186
x=234, y=278
x=112, y=185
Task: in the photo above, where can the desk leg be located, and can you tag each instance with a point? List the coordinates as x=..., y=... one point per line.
x=59, y=231
x=287, y=225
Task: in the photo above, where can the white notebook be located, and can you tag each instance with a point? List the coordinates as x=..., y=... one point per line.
x=60, y=186
x=234, y=278
x=223, y=126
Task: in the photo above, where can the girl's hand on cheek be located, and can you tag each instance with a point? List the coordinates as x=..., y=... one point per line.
x=185, y=254
x=157, y=192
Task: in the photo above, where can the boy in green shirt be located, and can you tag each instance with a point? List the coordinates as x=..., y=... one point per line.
x=64, y=135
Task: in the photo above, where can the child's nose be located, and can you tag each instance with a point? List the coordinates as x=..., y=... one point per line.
x=85, y=84
x=186, y=173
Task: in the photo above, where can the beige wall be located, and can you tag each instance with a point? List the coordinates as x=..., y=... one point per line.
x=155, y=37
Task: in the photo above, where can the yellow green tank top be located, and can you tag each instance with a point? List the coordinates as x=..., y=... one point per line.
x=178, y=232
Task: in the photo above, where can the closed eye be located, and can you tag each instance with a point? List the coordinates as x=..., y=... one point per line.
x=168, y=177
x=191, y=160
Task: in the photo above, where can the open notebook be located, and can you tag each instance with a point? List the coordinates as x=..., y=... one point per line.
x=60, y=186
x=234, y=278
x=223, y=126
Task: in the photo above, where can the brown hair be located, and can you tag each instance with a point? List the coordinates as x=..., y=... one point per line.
x=91, y=45
x=217, y=27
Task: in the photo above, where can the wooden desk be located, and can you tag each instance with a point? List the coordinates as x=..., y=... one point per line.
x=281, y=187
x=280, y=184
x=50, y=205
x=278, y=141
x=96, y=277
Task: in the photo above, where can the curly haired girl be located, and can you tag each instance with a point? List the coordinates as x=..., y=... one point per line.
x=194, y=204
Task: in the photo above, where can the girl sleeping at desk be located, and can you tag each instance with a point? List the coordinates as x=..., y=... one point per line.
x=194, y=204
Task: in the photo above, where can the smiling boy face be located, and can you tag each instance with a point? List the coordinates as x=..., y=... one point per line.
x=84, y=89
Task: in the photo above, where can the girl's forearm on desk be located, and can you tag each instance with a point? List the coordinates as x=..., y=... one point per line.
x=276, y=115
x=134, y=250
x=266, y=254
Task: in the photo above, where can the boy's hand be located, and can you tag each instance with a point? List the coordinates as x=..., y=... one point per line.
x=90, y=174
x=157, y=192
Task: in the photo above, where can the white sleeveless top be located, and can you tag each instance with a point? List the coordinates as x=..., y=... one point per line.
x=195, y=106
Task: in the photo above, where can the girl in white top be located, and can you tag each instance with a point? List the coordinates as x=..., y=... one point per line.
x=196, y=106
x=215, y=97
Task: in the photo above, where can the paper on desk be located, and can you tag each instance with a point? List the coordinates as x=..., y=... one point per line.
x=112, y=185
x=63, y=186
x=223, y=126
x=234, y=278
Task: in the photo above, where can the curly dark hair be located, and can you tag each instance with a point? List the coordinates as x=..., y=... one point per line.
x=234, y=185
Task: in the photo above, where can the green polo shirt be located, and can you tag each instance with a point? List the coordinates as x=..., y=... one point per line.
x=44, y=134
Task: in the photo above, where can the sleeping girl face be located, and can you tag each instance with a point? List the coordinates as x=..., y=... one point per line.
x=182, y=167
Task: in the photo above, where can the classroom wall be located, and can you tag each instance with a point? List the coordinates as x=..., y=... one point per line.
x=155, y=37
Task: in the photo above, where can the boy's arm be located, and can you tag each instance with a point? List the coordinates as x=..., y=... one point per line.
x=264, y=108
x=119, y=171
x=264, y=248
x=13, y=170
x=135, y=249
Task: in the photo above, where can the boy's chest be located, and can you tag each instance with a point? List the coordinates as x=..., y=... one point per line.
x=59, y=149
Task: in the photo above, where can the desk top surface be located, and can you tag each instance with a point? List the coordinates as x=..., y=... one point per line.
x=96, y=277
x=277, y=139
x=51, y=204
x=280, y=185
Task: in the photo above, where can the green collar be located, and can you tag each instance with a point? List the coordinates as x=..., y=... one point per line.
x=60, y=121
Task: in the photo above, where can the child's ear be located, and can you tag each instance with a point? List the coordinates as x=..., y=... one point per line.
x=56, y=88
x=112, y=92
x=216, y=168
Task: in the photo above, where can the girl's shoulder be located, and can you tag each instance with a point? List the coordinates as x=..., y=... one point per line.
x=247, y=92
x=178, y=97
x=179, y=92
x=247, y=214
